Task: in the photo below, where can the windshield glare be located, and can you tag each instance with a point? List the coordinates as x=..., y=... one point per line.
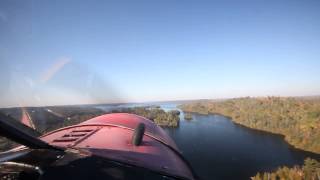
x=231, y=88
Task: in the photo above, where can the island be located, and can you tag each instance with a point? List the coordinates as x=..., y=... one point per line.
x=155, y=114
x=187, y=116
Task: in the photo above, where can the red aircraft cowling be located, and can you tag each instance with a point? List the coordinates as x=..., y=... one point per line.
x=110, y=136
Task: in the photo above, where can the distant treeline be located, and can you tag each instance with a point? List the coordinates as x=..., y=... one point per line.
x=158, y=115
x=298, y=119
x=309, y=171
x=75, y=115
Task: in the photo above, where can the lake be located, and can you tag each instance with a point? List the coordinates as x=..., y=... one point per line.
x=217, y=148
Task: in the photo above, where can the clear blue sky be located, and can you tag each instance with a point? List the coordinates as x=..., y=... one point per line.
x=70, y=52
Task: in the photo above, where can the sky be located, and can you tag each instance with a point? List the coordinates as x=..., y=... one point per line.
x=80, y=52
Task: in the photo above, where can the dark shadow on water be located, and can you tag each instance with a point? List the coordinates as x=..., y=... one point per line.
x=217, y=148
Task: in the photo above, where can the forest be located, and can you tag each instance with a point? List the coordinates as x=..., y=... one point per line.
x=155, y=114
x=309, y=171
x=298, y=119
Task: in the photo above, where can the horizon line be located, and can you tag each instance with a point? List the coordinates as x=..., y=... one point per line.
x=162, y=101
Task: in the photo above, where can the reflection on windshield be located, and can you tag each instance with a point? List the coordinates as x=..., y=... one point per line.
x=234, y=84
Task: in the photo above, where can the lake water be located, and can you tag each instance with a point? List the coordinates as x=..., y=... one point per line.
x=217, y=148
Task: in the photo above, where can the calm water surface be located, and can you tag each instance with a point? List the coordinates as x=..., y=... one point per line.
x=219, y=149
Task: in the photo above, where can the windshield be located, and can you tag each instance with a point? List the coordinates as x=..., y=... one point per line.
x=234, y=86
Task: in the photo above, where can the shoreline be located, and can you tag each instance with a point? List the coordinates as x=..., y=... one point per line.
x=258, y=130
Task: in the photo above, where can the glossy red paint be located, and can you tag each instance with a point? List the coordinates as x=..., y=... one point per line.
x=110, y=136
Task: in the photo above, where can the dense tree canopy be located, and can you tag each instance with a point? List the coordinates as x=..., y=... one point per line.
x=309, y=171
x=298, y=119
